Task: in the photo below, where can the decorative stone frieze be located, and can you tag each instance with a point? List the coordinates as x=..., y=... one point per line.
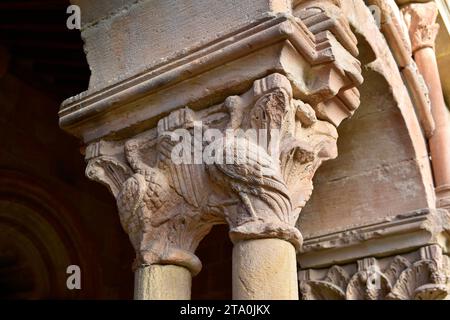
x=420, y=275
x=384, y=236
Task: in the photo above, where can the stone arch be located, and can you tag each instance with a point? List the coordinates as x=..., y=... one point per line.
x=382, y=171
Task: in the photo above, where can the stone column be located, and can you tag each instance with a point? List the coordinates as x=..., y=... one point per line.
x=421, y=21
x=264, y=269
x=162, y=282
x=190, y=129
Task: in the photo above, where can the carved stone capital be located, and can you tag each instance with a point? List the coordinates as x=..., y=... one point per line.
x=420, y=275
x=276, y=143
x=162, y=226
x=247, y=161
x=420, y=19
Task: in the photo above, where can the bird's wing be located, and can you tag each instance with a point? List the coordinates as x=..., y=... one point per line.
x=188, y=179
x=250, y=164
x=128, y=201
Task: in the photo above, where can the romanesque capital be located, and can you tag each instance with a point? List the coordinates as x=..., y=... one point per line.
x=162, y=226
x=272, y=147
x=420, y=275
x=420, y=19
x=247, y=161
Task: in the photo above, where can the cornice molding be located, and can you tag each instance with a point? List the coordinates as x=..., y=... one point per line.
x=135, y=97
x=397, y=234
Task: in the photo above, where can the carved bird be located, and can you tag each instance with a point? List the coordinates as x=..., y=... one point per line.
x=151, y=208
x=141, y=197
x=251, y=172
x=123, y=183
x=253, y=176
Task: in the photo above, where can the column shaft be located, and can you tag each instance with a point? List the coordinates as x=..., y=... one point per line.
x=423, y=29
x=264, y=269
x=439, y=143
x=162, y=282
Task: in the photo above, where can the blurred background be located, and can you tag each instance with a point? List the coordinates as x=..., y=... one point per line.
x=51, y=216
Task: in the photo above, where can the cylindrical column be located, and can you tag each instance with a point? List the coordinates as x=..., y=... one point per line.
x=264, y=269
x=440, y=141
x=162, y=282
x=421, y=21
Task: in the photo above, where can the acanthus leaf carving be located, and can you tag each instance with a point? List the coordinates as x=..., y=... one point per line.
x=425, y=279
x=402, y=279
x=420, y=19
x=398, y=265
x=419, y=282
x=369, y=283
x=332, y=287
